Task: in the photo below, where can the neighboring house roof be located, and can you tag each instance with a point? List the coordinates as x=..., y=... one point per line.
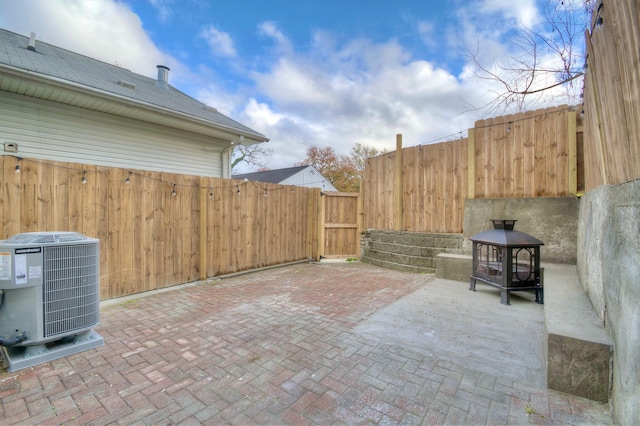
x=50, y=72
x=290, y=176
x=271, y=176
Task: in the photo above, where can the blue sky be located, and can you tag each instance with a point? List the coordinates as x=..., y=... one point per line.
x=304, y=73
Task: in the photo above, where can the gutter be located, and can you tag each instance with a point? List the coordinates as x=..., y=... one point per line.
x=223, y=153
x=109, y=96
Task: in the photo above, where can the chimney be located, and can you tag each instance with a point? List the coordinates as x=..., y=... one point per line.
x=163, y=76
x=32, y=42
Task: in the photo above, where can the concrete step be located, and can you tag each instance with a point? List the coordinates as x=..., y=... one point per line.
x=454, y=266
x=405, y=259
x=444, y=241
x=408, y=251
x=578, y=349
x=398, y=266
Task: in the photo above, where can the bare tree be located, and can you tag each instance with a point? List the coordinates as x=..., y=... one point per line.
x=359, y=155
x=253, y=155
x=543, y=58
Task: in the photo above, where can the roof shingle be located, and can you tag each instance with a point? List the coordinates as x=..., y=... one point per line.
x=55, y=62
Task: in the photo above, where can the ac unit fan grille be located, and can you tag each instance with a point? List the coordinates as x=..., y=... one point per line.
x=70, y=288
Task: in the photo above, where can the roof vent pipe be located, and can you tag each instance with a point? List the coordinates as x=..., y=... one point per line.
x=32, y=42
x=163, y=76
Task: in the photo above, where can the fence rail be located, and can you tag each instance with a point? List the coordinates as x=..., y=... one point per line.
x=531, y=154
x=161, y=229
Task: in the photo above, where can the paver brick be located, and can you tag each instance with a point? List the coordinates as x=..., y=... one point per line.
x=180, y=385
x=390, y=411
x=498, y=413
x=186, y=414
x=293, y=388
x=291, y=417
x=278, y=346
x=14, y=408
x=477, y=414
x=24, y=418
x=327, y=401
x=373, y=381
x=209, y=412
x=41, y=405
x=474, y=398
x=434, y=417
x=258, y=405
x=314, y=386
x=89, y=417
x=282, y=404
x=14, y=394
x=64, y=404
x=456, y=416
x=512, y=392
x=304, y=401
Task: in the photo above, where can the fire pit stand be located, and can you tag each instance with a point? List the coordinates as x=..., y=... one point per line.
x=508, y=260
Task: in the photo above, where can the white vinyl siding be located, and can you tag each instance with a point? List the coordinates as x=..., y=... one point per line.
x=53, y=131
x=309, y=178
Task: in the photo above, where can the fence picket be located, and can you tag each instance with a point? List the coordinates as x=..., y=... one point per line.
x=529, y=160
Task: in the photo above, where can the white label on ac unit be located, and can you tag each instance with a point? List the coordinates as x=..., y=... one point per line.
x=21, y=268
x=5, y=266
x=35, y=272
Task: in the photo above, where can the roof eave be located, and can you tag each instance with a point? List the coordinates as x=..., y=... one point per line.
x=202, y=126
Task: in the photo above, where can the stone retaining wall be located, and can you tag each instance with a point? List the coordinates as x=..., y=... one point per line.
x=609, y=270
x=407, y=251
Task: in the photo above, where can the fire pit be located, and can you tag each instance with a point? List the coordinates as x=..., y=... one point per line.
x=508, y=260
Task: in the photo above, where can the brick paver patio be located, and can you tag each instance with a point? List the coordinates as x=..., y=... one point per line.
x=271, y=347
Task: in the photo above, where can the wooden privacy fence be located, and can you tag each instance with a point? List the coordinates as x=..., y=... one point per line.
x=423, y=188
x=161, y=229
x=340, y=225
x=612, y=95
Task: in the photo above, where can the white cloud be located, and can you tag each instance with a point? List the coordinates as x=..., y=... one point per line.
x=524, y=12
x=262, y=114
x=220, y=42
x=490, y=25
x=331, y=92
x=225, y=102
x=105, y=30
x=427, y=31
x=164, y=9
x=271, y=30
x=360, y=91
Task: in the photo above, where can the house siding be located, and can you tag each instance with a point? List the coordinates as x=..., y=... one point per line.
x=53, y=131
x=310, y=179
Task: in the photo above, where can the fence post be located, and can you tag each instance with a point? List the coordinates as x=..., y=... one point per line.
x=471, y=163
x=398, y=184
x=202, y=266
x=572, y=140
x=310, y=216
x=313, y=223
x=11, y=190
x=361, y=208
x=321, y=222
x=360, y=217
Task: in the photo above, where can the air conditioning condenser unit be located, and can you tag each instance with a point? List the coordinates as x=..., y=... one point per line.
x=49, y=296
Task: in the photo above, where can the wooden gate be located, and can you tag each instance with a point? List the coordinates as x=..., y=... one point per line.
x=340, y=225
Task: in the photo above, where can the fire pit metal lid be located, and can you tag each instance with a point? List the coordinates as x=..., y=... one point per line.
x=504, y=236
